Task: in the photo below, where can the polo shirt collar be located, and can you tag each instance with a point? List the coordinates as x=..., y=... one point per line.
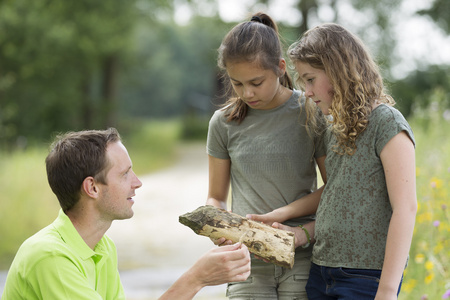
x=73, y=239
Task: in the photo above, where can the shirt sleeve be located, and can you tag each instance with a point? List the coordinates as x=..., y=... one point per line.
x=217, y=141
x=391, y=123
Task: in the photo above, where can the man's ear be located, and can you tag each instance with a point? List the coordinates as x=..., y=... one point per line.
x=90, y=187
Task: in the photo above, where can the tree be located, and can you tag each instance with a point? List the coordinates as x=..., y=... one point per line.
x=55, y=57
x=439, y=13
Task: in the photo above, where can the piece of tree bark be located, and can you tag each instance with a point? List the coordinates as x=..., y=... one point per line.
x=272, y=244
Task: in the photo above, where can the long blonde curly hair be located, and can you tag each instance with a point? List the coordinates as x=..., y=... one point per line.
x=355, y=77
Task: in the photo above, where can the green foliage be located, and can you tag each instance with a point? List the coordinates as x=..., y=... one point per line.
x=26, y=202
x=428, y=275
x=440, y=13
x=194, y=127
x=54, y=57
x=174, y=69
x=413, y=93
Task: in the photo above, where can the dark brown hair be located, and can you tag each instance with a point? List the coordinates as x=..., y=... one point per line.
x=252, y=41
x=75, y=156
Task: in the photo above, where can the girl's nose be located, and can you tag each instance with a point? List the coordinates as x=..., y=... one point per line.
x=248, y=92
x=308, y=93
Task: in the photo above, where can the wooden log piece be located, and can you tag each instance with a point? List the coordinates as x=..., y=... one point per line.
x=272, y=244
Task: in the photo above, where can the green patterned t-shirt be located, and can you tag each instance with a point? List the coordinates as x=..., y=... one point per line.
x=354, y=213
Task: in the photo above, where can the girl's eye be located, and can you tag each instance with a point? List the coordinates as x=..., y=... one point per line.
x=236, y=83
x=257, y=84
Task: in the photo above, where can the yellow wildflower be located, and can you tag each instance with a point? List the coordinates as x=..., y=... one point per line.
x=425, y=217
x=409, y=285
x=429, y=278
x=429, y=265
x=420, y=258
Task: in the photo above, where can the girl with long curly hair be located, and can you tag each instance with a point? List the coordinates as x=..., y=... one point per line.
x=365, y=218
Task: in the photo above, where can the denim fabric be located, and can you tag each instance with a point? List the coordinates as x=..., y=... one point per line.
x=342, y=283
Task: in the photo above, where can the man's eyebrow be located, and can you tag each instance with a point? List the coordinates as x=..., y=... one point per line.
x=127, y=169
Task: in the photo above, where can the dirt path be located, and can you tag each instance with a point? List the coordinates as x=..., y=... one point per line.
x=154, y=249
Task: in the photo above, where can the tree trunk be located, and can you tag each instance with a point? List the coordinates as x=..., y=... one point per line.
x=109, y=89
x=86, y=102
x=272, y=244
x=306, y=7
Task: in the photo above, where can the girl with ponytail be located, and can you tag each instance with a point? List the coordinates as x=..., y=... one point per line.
x=259, y=143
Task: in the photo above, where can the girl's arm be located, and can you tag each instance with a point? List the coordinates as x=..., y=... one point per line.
x=219, y=182
x=219, y=186
x=304, y=206
x=398, y=161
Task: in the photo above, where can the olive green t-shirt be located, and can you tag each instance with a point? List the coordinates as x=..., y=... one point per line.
x=272, y=157
x=354, y=212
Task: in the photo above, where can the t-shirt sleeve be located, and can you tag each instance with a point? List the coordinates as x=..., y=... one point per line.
x=216, y=143
x=391, y=123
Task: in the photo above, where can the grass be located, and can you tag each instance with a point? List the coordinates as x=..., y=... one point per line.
x=27, y=203
x=428, y=275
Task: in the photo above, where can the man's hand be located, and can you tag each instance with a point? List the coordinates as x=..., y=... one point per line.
x=217, y=266
x=222, y=265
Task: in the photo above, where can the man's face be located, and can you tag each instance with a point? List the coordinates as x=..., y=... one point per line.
x=116, y=200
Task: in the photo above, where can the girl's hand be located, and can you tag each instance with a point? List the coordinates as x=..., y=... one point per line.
x=299, y=234
x=222, y=242
x=268, y=218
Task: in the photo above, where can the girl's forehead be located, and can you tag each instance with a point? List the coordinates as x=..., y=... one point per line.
x=303, y=69
x=245, y=71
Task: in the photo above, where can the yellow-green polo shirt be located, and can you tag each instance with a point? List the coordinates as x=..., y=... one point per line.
x=56, y=263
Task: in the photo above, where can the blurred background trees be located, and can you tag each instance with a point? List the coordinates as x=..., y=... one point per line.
x=68, y=65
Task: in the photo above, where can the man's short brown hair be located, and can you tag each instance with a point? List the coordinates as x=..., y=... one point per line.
x=75, y=156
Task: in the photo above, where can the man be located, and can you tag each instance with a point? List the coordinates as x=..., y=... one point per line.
x=91, y=174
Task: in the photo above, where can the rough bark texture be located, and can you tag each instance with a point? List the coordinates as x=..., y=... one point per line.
x=274, y=245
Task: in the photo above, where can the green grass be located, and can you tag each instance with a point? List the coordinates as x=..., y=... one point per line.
x=428, y=275
x=27, y=203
